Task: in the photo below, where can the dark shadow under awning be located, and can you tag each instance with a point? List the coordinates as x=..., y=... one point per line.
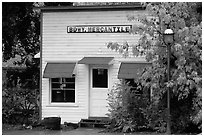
x=96, y=60
x=131, y=70
x=57, y=70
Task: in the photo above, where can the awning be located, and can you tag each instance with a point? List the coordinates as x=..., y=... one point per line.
x=96, y=60
x=131, y=70
x=57, y=70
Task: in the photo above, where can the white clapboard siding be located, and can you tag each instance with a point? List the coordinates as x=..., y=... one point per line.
x=58, y=45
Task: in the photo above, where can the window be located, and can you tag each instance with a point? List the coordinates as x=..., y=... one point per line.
x=136, y=87
x=63, y=90
x=100, y=78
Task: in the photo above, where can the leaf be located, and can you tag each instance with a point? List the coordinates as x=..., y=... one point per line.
x=170, y=84
x=197, y=80
x=120, y=50
x=167, y=18
x=149, y=56
x=125, y=129
x=125, y=46
x=162, y=13
x=178, y=47
x=135, y=51
x=113, y=45
x=138, y=29
x=180, y=24
x=125, y=53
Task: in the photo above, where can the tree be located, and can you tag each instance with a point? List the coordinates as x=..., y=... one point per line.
x=21, y=41
x=21, y=33
x=21, y=29
x=186, y=62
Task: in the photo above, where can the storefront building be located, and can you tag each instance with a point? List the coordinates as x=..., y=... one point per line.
x=77, y=68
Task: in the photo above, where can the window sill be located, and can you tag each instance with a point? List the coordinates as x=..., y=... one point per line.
x=63, y=105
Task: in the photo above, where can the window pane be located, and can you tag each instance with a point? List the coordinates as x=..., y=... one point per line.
x=57, y=96
x=100, y=78
x=69, y=79
x=56, y=85
x=55, y=80
x=70, y=96
x=63, y=90
x=71, y=86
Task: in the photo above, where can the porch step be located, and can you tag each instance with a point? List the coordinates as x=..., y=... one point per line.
x=94, y=122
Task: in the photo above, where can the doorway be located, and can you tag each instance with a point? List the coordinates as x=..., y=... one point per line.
x=99, y=84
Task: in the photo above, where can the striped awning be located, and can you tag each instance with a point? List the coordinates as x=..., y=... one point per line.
x=58, y=70
x=95, y=60
x=131, y=70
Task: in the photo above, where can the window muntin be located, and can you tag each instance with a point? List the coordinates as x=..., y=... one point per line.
x=63, y=90
x=100, y=78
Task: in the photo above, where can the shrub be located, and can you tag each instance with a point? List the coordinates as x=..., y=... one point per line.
x=126, y=108
x=20, y=96
x=181, y=114
x=131, y=112
x=19, y=105
x=156, y=113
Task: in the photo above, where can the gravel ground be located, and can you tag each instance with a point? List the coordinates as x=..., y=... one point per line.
x=78, y=131
x=68, y=131
x=18, y=130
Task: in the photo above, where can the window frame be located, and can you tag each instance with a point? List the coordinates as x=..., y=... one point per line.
x=62, y=103
x=99, y=67
x=94, y=86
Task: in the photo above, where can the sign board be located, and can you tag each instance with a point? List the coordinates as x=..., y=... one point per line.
x=99, y=29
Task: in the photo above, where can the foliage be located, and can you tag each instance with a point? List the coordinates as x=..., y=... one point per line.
x=19, y=105
x=20, y=96
x=21, y=29
x=126, y=108
x=186, y=61
x=21, y=37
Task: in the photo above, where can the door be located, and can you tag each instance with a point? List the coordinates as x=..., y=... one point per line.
x=99, y=83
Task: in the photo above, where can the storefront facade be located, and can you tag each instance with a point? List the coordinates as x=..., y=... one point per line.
x=77, y=68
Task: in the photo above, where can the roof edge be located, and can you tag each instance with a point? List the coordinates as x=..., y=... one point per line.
x=91, y=8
